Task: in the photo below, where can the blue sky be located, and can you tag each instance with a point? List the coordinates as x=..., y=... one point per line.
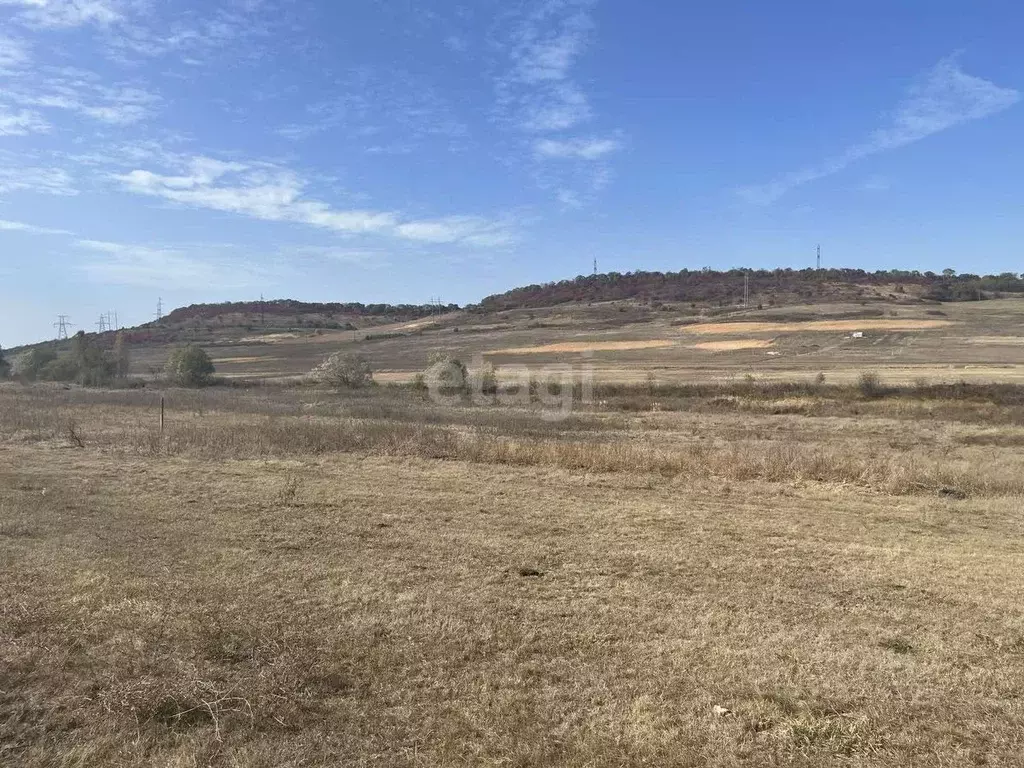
x=386, y=150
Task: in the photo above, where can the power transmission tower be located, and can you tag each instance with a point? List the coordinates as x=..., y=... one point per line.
x=159, y=309
x=62, y=326
x=112, y=324
x=101, y=324
x=595, y=267
x=819, y=258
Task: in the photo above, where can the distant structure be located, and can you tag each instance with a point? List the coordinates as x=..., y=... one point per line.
x=595, y=267
x=112, y=323
x=159, y=309
x=62, y=326
x=746, y=290
x=819, y=258
x=102, y=324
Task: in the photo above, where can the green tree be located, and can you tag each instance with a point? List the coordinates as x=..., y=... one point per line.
x=88, y=365
x=122, y=358
x=190, y=366
x=29, y=364
x=5, y=367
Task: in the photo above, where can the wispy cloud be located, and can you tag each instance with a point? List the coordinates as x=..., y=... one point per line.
x=21, y=123
x=537, y=92
x=384, y=113
x=14, y=53
x=944, y=98
x=51, y=181
x=83, y=93
x=148, y=266
x=270, y=193
x=541, y=99
x=66, y=13
x=18, y=226
x=579, y=148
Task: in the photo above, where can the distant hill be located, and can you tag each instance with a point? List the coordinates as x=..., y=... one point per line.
x=206, y=322
x=768, y=287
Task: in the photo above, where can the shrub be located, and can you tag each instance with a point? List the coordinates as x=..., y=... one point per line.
x=28, y=365
x=870, y=385
x=343, y=371
x=447, y=374
x=190, y=366
x=62, y=369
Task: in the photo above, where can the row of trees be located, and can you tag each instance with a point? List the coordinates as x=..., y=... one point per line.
x=708, y=285
x=85, y=363
x=92, y=366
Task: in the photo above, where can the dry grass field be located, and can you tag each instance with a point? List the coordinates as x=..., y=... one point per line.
x=289, y=576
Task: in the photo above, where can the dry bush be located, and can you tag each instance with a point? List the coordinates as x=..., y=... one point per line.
x=344, y=371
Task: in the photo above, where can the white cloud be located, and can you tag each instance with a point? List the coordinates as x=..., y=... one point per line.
x=66, y=13
x=77, y=91
x=14, y=53
x=581, y=148
x=384, y=113
x=21, y=123
x=147, y=266
x=270, y=193
x=945, y=98
x=52, y=181
x=470, y=230
x=540, y=97
x=537, y=93
x=18, y=226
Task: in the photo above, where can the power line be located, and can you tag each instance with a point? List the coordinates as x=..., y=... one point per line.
x=62, y=326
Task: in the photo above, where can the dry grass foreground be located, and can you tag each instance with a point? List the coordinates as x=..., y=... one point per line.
x=296, y=578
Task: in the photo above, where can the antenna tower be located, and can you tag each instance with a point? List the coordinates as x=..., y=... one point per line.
x=159, y=309
x=819, y=258
x=595, y=267
x=62, y=326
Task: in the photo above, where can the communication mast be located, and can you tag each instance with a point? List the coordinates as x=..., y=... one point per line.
x=159, y=309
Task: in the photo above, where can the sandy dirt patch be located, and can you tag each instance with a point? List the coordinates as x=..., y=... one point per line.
x=878, y=324
x=1014, y=341
x=585, y=346
x=731, y=346
x=270, y=337
x=242, y=360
